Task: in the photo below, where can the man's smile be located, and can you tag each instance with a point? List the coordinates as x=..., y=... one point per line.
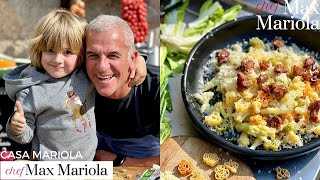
x=105, y=78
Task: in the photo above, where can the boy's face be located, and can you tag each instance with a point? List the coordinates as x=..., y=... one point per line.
x=59, y=64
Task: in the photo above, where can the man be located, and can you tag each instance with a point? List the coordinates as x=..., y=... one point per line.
x=127, y=117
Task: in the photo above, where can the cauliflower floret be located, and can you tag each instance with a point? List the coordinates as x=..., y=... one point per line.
x=231, y=97
x=213, y=119
x=211, y=84
x=250, y=129
x=226, y=79
x=243, y=140
x=257, y=142
x=203, y=99
x=272, y=145
x=240, y=116
x=223, y=126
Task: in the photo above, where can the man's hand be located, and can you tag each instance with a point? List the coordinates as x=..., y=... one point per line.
x=129, y=162
x=18, y=121
x=138, y=75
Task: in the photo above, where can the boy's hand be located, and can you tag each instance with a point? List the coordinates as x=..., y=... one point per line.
x=18, y=121
x=139, y=74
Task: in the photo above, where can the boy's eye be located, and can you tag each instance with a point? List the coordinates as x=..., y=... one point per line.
x=68, y=52
x=50, y=50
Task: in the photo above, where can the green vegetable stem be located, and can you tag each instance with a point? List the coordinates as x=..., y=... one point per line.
x=177, y=40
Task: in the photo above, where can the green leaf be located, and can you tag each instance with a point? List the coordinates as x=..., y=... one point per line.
x=229, y=15
x=205, y=6
x=176, y=15
x=165, y=130
x=205, y=15
x=163, y=53
x=168, y=100
x=177, y=62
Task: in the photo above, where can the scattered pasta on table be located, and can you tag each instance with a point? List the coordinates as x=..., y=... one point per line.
x=282, y=173
x=185, y=167
x=210, y=159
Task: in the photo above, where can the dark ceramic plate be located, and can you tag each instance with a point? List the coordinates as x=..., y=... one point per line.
x=230, y=33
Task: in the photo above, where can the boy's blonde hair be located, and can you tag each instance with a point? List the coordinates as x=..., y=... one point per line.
x=51, y=32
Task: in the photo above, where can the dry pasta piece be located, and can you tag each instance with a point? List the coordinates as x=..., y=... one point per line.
x=232, y=166
x=197, y=175
x=282, y=173
x=185, y=167
x=221, y=172
x=167, y=175
x=210, y=159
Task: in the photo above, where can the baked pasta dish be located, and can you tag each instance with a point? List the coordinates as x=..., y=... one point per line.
x=262, y=95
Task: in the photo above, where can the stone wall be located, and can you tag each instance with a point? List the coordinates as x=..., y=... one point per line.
x=18, y=18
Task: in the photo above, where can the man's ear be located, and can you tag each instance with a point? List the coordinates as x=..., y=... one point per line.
x=132, y=66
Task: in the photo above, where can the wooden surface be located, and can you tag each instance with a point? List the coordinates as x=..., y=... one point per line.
x=134, y=172
x=192, y=149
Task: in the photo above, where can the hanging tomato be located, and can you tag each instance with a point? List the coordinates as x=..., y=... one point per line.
x=135, y=13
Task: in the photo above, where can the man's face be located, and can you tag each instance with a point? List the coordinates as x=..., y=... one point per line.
x=108, y=64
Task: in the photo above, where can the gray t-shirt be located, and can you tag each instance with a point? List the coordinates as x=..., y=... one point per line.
x=59, y=113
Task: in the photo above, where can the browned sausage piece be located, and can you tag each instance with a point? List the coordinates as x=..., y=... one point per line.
x=243, y=82
x=262, y=78
x=274, y=122
x=222, y=56
x=271, y=87
x=297, y=71
x=279, y=91
x=246, y=66
x=266, y=89
x=316, y=82
x=277, y=43
x=264, y=65
x=307, y=75
x=314, y=108
x=308, y=62
x=297, y=117
x=279, y=68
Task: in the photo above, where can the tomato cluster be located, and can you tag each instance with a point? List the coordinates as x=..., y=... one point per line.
x=135, y=13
